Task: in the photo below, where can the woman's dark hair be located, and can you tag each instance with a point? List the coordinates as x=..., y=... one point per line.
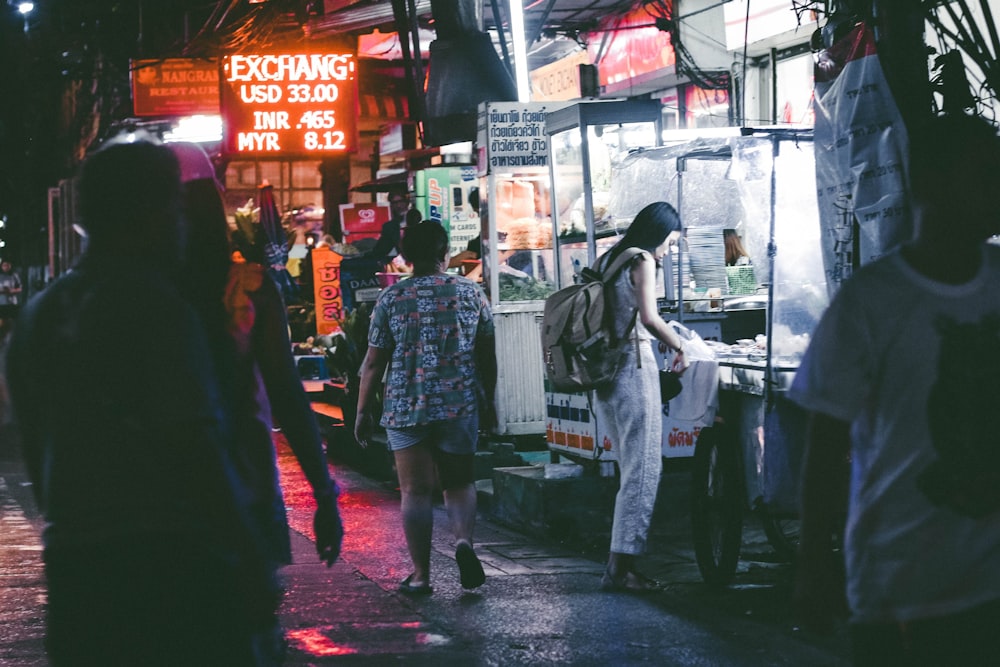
x=425, y=243
x=650, y=228
x=123, y=183
x=207, y=253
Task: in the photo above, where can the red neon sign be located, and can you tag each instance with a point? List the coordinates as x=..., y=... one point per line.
x=294, y=104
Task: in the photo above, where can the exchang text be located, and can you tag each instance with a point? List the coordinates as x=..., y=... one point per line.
x=299, y=67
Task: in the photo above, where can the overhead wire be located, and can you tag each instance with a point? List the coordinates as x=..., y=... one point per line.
x=664, y=11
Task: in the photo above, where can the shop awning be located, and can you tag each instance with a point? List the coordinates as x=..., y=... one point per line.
x=391, y=183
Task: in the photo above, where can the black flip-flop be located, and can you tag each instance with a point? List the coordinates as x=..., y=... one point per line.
x=639, y=583
x=409, y=588
x=469, y=568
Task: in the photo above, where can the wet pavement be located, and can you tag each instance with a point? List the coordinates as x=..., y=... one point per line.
x=541, y=604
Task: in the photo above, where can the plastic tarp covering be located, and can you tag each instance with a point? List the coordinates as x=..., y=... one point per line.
x=713, y=192
x=709, y=194
x=799, y=294
x=861, y=156
x=646, y=176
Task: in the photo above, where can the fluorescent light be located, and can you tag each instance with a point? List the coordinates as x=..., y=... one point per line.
x=461, y=148
x=520, y=51
x=25, y=7
x=195, y=129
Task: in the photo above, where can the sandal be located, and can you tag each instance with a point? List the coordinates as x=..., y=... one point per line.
x=470, y=570
x=409, y=588
x=630, y=582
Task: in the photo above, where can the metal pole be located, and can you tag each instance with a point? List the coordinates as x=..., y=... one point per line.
x=774, y=86
x=772, y=252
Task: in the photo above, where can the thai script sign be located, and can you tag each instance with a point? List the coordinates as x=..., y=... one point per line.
x=511, y=136
x=327, y=290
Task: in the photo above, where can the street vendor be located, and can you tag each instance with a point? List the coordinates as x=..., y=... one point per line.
x=387, y=246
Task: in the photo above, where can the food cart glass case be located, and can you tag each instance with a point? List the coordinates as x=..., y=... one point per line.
x=518, y=258
x=585, y=139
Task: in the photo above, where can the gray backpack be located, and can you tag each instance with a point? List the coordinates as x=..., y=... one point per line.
x=581, y=348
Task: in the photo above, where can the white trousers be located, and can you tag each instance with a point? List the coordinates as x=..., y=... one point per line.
x=630, y=413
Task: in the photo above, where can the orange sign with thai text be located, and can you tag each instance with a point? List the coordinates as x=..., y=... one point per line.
x=326, y=289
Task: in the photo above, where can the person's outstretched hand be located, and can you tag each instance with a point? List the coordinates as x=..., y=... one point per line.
x=328, y=529
x=680, y=363
x=363, y=427
x=488, y=416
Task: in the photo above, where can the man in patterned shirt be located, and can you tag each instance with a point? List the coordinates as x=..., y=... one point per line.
x=435, y=333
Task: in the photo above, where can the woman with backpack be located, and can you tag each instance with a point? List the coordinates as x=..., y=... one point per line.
x=630, y=405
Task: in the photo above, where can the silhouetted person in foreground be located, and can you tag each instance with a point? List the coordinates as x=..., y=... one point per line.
x=149, y=558
x=901, y=379
x=244, y=315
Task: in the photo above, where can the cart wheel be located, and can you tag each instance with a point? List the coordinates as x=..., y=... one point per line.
x=782, y=533
x=716, y=506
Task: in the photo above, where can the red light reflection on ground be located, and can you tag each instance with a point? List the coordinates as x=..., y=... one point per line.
x=314, y=642
x=300, y=504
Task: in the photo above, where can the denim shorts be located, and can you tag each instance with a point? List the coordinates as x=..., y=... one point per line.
x=455, y=436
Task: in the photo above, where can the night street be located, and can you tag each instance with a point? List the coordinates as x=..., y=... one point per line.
x=541, y=604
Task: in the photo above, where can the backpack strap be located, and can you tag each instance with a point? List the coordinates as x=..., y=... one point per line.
x=626, y=256
x=607, y=277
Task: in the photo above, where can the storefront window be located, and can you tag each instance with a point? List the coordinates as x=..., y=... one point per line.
x=296, y=183
x=795, y=88
x=706, y=108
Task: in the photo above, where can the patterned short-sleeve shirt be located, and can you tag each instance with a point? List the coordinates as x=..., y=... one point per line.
x=431, y=324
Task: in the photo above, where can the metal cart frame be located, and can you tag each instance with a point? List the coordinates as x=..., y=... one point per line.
x=747, y=462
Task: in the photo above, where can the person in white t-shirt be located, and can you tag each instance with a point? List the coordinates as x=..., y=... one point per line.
x=903, y=379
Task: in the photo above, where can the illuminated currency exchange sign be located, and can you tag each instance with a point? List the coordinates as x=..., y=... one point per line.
x=293, y=104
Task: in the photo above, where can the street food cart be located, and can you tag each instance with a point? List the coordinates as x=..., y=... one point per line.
x=604, y=172
x=586, y=142
x=748, y=458
x=755, y=319
x=751, y=457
